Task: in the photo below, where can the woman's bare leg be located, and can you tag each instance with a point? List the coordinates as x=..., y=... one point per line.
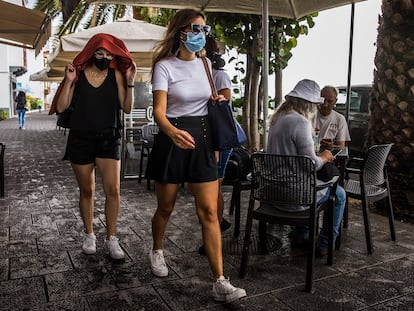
x=85, y=176
x=166, y=196
x=109, y=169
x=206, y=204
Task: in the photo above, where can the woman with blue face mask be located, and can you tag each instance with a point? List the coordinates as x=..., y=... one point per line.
x=183, y=151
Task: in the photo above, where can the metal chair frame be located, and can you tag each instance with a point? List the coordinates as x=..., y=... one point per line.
x=148, y=134
x=239, y=184
x=371, y=186
x=283, y=181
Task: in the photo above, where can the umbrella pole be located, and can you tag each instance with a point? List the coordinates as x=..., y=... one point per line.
x=348, y=85
x=265, y=67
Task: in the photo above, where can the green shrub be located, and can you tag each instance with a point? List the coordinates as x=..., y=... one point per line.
x=4, y=114
x=33, y=103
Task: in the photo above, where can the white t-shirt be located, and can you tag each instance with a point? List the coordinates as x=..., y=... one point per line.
x=186, y=84
x=332, y=126
x=221, y=80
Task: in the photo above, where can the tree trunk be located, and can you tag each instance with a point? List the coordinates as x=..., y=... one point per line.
x=278, y=87
x=251, y=102
x=254, y=108
x=392, y=99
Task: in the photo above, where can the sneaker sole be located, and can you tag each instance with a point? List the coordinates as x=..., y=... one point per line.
x=219, y=297
x=89, y=252
x=237, y=294
x=160, y=274
x=113, y=258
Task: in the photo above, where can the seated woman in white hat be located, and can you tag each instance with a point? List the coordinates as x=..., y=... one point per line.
x=290, y=133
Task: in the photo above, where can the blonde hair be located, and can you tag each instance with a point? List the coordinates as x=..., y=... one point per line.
x=171, y=43
x=301, y=106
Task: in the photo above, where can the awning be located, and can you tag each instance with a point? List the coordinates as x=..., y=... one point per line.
x=281, y=8
x=47, y=74
x=23, y=27
x=138, y=36
x=56, y=75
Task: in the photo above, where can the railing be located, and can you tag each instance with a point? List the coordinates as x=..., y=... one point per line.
x=138, y=117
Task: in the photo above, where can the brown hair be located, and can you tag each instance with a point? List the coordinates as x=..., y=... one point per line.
x=171, y=43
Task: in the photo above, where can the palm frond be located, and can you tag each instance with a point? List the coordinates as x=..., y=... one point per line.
x=50, y=7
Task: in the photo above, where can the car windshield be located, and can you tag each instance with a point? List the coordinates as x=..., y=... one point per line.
x=355, y=100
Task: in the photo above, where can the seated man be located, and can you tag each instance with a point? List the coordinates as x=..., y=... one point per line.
x=332, y=126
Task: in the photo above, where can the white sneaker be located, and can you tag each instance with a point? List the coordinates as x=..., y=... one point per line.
x=111, y=247
x=224, y=291
x=89, y=244
x=158, y=265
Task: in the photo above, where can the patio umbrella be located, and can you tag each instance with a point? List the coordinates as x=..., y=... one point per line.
x=281, y=8
x=138, y=36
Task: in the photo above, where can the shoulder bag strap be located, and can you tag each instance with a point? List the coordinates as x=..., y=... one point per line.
x=210, y=78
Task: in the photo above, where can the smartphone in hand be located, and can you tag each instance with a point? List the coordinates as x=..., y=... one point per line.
x=336, y=151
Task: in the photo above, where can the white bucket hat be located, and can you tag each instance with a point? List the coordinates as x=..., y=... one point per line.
x=308, y=90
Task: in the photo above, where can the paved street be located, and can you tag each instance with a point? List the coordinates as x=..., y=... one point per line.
x=42, y=266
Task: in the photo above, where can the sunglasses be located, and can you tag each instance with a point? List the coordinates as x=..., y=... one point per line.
x=102, y=54
x=196, y=28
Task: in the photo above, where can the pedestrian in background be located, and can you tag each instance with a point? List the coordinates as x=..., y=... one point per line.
x=21, y=109
x=183, y=151
x=97, y=86
x=39, y=104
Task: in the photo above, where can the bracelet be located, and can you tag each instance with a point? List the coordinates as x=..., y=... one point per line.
x=131, y=85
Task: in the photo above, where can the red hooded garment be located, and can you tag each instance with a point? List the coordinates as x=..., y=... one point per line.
x=122, y=60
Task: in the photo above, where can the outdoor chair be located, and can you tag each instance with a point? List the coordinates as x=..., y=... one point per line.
x=147, y=140
x=2, y=149
x=237, y=171
x=285, y=181
x=370, y=185
x=131, y=149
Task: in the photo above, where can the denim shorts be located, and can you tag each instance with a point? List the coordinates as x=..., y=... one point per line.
x=224, y=157
x=84, y=147
x=169, y=164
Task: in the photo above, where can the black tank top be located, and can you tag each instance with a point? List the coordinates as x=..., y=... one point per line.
x=95, y=109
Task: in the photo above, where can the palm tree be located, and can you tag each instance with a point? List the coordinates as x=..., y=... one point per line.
x=79, y=14
x=392, y=98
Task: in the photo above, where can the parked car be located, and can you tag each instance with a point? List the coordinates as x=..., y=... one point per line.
x=359, y=114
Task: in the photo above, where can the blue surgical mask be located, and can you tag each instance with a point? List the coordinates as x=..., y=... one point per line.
x=195, y=42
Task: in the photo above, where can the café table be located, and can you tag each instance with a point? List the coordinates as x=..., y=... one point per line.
x=340, y=160
x=341, y=157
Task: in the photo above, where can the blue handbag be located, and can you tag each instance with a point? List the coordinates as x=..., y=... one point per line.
x=227, y=133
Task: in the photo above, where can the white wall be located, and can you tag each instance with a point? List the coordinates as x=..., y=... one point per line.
x=11, y=56
x=34, y=64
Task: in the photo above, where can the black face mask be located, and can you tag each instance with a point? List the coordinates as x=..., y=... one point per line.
x=216, y=60
x=101, y=63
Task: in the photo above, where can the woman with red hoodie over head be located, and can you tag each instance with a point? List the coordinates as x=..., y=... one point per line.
x=96, y=87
